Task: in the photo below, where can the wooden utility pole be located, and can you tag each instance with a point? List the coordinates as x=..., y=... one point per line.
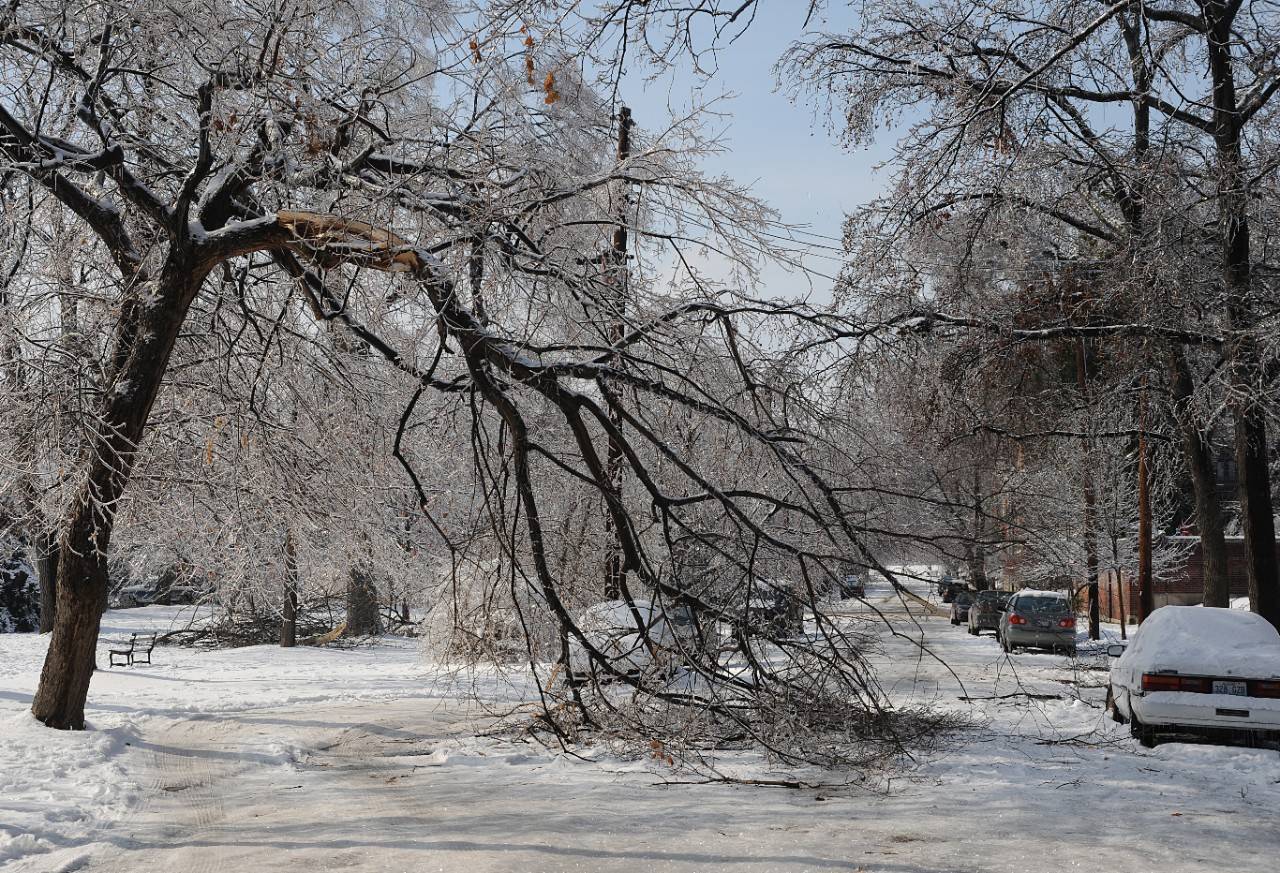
x=616, y=278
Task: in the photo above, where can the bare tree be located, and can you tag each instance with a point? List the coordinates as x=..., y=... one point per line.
x=1008, y=100
x=434, y=205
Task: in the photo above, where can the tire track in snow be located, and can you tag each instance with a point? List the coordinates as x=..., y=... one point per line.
x=182, y=803
x=215, y=794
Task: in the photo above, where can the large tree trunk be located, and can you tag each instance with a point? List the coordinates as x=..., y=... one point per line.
x=69, y=664
x=1247, y=378
x=1257, y=514
x=1204, y=484
x=140, y=355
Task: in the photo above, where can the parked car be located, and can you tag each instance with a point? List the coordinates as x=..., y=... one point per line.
x=953, y=588
x=611, y=628
x=851, y=585
x=774, y=609
x=944, y=583
x=134, y=594
x=1199, y=670
x=1040, y=620
x=984, y=613
x=176, y=585
x=960, y=606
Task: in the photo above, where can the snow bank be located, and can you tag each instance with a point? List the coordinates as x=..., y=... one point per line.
x=57, y=785
x=1206, y=640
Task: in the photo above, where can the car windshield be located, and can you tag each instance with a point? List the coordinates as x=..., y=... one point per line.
x=963, y=598
x=1040, y=603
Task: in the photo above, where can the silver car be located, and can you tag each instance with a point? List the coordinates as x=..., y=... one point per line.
x=1038, y=620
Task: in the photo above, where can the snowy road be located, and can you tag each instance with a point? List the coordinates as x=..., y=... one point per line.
x=401, y=783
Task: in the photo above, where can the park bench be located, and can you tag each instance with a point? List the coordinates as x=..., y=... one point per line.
x=140, y=645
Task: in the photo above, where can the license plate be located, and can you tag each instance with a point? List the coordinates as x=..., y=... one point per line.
x=1222, y=686
x=1042, y=623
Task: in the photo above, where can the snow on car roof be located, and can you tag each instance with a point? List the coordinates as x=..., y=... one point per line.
x=1036, y=592
x=1206, y=640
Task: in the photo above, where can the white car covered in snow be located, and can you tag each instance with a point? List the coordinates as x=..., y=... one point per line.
x=634, y=639
x=1199, y=670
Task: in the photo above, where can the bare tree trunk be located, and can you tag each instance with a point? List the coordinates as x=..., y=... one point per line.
x=1247, y=377
x=69, y=664
x=1256, y=514
x=363, y=618
x=615, y=574
x=1146, y=597
x=1204, y=484
x=289, y=610
x=140, y=356
x=977, y=554
x=46, y=567
x=1090, y=501
x=1091, y=562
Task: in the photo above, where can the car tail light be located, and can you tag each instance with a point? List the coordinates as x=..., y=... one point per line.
x=1016, y=619
x=1158, y=682
x=1264, y=688
x=1173, y=682
x=1069, y=621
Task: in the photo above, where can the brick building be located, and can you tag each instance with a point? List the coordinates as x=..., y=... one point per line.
x=1182, y=584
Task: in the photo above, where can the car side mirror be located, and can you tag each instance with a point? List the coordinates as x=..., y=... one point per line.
x=1115, y=650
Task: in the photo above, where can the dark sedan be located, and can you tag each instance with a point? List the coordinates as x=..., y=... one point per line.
x=960, y=607
x=984, y=614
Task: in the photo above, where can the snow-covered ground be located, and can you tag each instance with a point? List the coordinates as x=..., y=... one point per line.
x=58, y=790
x=364, y=760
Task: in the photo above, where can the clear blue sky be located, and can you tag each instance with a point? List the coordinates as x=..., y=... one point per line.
x=785, y=151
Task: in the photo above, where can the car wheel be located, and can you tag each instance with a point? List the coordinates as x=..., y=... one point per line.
x=955, y=621
x=973, y=631
x=1004, y=644
x=1071, y=652
x=1144, y=734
